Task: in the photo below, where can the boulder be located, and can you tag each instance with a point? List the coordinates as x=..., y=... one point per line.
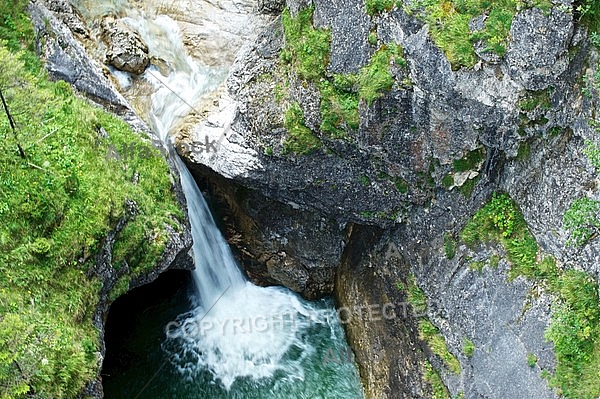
x=126, y=49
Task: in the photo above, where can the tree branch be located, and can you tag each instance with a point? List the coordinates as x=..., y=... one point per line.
x=12, y=124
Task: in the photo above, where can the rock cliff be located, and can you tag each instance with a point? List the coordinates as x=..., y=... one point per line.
x=307, y=154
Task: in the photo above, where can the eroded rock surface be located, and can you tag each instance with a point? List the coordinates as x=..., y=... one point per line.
x=126, y=49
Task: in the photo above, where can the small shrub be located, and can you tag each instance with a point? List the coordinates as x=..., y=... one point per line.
x=468, y=347
x=449, y=246
x=301, y=139
x=378, y=6
x=582, y=219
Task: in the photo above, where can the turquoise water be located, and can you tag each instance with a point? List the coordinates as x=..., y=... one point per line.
x=139, y=349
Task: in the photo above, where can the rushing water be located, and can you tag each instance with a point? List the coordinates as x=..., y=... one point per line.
x=238, y=340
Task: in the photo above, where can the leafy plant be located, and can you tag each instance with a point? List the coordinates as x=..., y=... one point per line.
x=378, y=6
x=582, y=219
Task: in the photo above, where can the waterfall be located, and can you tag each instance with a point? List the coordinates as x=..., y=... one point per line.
x=238, y=329
x=240, y=335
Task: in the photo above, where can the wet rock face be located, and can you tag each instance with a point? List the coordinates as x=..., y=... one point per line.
x=126, y=49
x=277, y=243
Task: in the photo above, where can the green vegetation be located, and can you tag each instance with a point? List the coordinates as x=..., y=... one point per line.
x=372, y=38
x=448, y=180
x=427, y=331
x=536, y=99
x=430, y=334
x=468, y=347
x=301, y=139
x=432, y=377
x=500, y=220
x=531, y=360
x=470, y=161
x=477, y=265
x=59, y=198
x=468, y=186
x=375, y=78
x=364, y=180
x=589, y=12
x=582, y=219
x=401, y=185
x=449, y=245
x=575, y=326
x=306, y=48
x=449, y=25
x=306, y=53
x=524, y=151
x=415, y=296
x=339, y=105
x=494, y=261
x=378, y=6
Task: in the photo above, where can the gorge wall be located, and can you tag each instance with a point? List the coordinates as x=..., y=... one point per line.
x=322, y=173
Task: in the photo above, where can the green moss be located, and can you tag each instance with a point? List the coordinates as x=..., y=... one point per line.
x=57, y=206
x=531, y=360
x=431, y=377
x=449, y=245
x=430, y=334
x=468, y=186
x=468, y=347
x=536, y=99
x=470, y=161
x=477, y=265
x=364, y=180
x=375, y=78
x=427, y=331
x=372, y=39
x=554, y=131
x=449, y=26
x=401, y=185
x=306, y=49
x=339, y=105
x=494, y=261
x=448, y=180
x=377, y=6
x=415, y=296
x=524, y=151
x=301, y=139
